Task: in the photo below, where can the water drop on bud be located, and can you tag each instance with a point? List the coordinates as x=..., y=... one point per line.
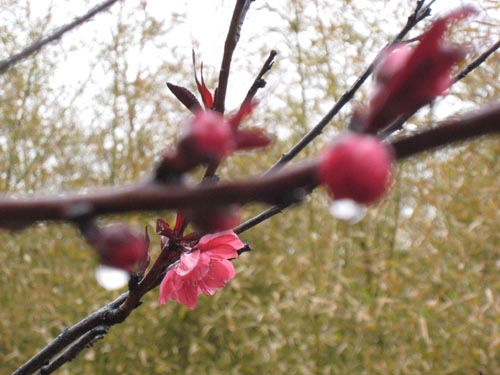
x=347, y=210
x=111, y=278
x=356, y=167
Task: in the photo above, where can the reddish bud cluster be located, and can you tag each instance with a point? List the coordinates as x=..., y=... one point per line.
x=409, y=77
x=356, y=167
x=208, y=137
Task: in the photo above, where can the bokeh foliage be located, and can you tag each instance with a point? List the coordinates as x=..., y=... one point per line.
x=411, y=289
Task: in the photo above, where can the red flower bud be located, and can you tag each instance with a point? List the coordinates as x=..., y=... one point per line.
x=207, y=137
x=119, y=247
x=356, y=167
x=391, y=62
x=215, y=220
x=410, y=77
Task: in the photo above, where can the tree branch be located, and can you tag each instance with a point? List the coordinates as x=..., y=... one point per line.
x=478, y=61
x=68, y=336
x=42, y=42
x=86, y=340
x=232, y=39
x=280, y=188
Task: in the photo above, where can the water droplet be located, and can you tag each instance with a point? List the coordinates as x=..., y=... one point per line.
x=410, y=127
x=111, y=278
x=348, y=210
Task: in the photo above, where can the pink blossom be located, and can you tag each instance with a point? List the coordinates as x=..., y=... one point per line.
x=204, y=269
x=410, y=77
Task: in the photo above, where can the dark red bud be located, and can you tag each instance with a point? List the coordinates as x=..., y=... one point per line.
x=216, y=220
x=356, y=167
x=120, y=247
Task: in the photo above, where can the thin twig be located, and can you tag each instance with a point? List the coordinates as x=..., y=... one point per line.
x=263, y=216
x=259, y=81
x=478, y=61
x=40, y=43
x=418, y=14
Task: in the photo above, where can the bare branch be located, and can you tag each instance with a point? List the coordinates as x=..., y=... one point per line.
x=42, y=42
x=271, y=189
x=482, y=122
x=259, y=81
x=233, y=36
x=68, y=336
x=87, y=340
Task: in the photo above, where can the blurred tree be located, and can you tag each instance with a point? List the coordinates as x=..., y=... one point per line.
x=410, y=289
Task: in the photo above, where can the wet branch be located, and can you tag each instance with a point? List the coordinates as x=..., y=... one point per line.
x=283, y=187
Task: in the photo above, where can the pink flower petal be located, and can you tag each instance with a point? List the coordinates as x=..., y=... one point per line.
x=223, y=238
x=222, y=251
x=188, y=294
x=221, y=272
x=187, y=263
x=170, y=283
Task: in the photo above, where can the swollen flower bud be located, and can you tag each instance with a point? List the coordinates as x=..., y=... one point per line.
x=215, y=220
x=206, y=137
x=356, y=167
x=391, y=62
x=119, y=247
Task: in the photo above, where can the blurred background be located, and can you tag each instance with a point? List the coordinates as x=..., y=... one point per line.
x=413, y=288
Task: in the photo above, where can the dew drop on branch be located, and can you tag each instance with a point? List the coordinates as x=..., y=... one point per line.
x=347, y=210
x=111, y=278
